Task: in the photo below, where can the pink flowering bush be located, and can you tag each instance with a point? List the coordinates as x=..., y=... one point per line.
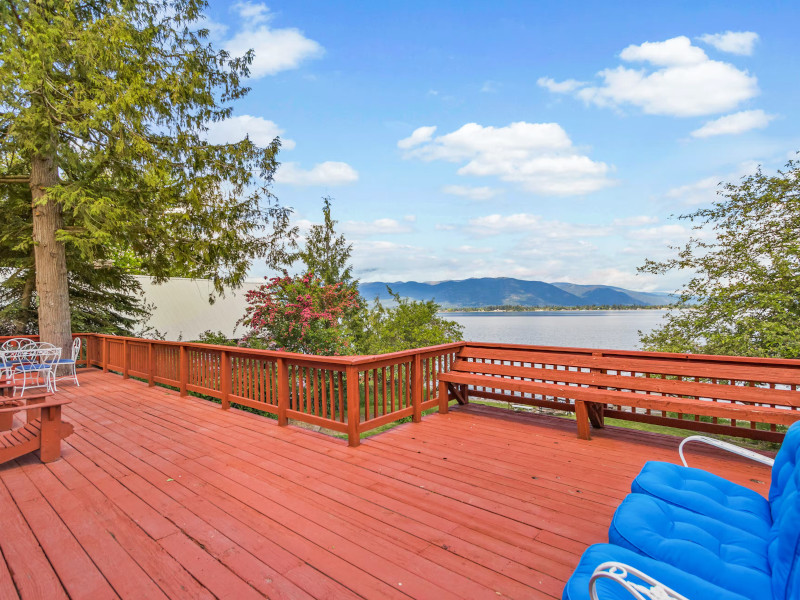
x=299, y=314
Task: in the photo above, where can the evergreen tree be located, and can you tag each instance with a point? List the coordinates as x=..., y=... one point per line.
x=104, y=107
x=743, y=297
x=325, y=253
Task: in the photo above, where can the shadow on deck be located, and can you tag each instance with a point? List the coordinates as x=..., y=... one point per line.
x=160, y=496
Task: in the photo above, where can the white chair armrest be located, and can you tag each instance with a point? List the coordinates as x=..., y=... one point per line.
x=724, y=446
x=618, y=572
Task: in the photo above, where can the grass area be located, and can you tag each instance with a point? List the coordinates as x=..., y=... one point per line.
x=637, y=426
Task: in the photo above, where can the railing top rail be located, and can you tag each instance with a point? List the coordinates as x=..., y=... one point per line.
x=666, y=356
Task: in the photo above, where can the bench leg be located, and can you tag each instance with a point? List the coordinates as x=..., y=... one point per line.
x=6, y=421
x=582, y=417
x=444, y=397
x=597, y=414
x=51, y=434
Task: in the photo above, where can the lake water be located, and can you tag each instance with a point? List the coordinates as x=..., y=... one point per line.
x=612, y=329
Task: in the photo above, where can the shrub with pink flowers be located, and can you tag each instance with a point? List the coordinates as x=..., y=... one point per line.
x=299, y=314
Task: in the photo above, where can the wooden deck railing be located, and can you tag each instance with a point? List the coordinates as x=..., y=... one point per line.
x=355, y=394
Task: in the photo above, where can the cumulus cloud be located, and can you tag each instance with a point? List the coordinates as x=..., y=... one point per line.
x=261, y=131
x=676, y=79
x=274, y=50
x=705, y=190
x=735, y=42
x=559, y=87
x=379, y=227
x=419, y=136
x=473, y=193
x=539, y=157
x=533, y=225
x=740, y=122
x=326, y=173
x=636, y=221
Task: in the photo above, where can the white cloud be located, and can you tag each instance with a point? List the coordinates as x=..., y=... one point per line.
x=473, y=193
x=326, y=173
x=261, y=131
x=274, y=50
x=534, y=225
x=678, y=79
x=735, y=42
x=474, y=250
x=672, y=52
x=379, y=227
x=537, y=156
x=252, y=13
x=636, y=221
x=559, y=87
x=419, y=136
x=734, y=124
x=704, y=190
x=489, y=87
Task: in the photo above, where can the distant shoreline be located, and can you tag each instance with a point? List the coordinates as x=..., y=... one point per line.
x=515, y=308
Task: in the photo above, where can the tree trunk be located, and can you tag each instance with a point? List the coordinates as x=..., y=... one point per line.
x=21, y=322
x=50, y=255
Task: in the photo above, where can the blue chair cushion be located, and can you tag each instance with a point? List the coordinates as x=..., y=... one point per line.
x=707, y=494
x=722, y=554
x=66, y=361
x=33, y=367
x=691, y=586
x=784, y=480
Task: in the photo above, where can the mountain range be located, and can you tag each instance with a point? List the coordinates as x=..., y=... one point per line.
x=499, y=291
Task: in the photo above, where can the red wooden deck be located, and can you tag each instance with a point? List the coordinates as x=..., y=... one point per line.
x=160, y=496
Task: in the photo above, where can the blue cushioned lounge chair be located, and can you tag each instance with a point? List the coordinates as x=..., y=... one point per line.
x=708, y=494
x=608, y=572
x=749, y=563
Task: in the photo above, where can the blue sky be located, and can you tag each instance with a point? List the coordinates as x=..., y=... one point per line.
x=539, y=140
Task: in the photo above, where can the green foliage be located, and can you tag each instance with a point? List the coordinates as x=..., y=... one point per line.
x=299, y=314
x=119, y=95
x=407, y=325
x=217, y=338
x=325, y=253
x=744, y=294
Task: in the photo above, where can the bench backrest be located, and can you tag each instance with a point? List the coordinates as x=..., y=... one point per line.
x=686, y=377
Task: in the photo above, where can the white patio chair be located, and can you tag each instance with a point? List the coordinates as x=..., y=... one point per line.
x=37, y=366
x=16, y=343
x=71, y=364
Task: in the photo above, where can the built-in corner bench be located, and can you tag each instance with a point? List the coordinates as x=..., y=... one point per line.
x=680, y=388
x=42, y=431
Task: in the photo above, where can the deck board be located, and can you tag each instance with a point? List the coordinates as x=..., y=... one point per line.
x=160, y=496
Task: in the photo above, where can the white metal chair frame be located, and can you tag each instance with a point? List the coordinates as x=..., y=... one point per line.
x=16, y=343
x=71, y=363
x=765, y=460
x=650, y=589
x=38, y=362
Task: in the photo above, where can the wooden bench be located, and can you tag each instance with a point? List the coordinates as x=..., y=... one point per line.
x=599, y=384
x=43, y=431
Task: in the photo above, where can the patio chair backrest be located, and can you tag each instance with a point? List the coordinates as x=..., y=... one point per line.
x=76, y=348
x=16, y=343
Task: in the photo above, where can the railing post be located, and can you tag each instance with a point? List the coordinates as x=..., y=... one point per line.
x=225, y=379
x=416, y=389
x=105, y=354
x=183, y=365
x=353, y=406
x=126, y=359
x=283, y=391
x=151, y=365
